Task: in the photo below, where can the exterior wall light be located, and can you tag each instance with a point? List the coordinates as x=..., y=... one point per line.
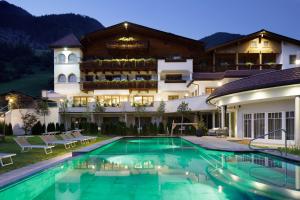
x=125, y=25
x=297, y=62
x=65, y=49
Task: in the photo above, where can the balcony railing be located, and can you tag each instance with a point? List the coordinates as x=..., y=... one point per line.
x=238, y=67
x=119, y=65
x=127, y=45
x=97, y=85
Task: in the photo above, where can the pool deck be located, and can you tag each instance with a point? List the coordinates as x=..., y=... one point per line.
x=17, y=174
x=222, y=144
x=219, y=144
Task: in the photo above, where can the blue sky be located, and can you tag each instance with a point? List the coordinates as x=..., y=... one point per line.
x=190, y=18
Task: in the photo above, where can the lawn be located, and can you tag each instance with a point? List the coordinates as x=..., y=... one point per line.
x=29, y=84
x=292, y=150
x=35, y=155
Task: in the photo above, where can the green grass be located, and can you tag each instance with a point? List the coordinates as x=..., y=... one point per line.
x=35, y=155
x=29, y=84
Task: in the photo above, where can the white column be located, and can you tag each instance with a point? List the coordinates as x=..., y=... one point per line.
x=266, y=125
x=297, y=177
x=223, y=117
x=229, y=125
x=213, y=119
x=252, y=125
x=283, y=126
x=297, y=121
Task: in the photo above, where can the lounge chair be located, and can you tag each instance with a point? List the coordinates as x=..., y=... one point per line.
x=70, y=137
x=7, y=157
x=26, y=146
x=52, y=140
x=77, y=134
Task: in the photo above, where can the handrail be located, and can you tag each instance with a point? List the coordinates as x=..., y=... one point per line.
x=262, y=136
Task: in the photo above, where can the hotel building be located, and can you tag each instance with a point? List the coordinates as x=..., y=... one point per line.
x=127, y=64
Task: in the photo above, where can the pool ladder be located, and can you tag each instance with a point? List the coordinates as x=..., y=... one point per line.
x=268, y=149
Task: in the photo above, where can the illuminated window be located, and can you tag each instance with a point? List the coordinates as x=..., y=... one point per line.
x=293, y=59
x=61, y=58
x=173, y=97
x=209, y=90
x=72, y=58
x=143, y=100
x=80, y=101
x=61, y=78
x=253, y=44
x=112, y=101
x=72, y=78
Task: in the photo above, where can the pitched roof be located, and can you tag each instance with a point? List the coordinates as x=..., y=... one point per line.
x=67, y=41
x=202, y=76
x=136, y=27
x=263, y=32
x=259, y=81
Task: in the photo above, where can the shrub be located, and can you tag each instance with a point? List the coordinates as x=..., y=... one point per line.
x=161, y=128
x=51, y=127
x=37, y=129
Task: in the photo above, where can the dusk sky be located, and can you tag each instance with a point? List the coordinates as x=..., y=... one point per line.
x=190, y=18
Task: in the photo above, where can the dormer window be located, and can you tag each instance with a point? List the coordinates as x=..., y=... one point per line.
x=61, y=58
x=72, y=78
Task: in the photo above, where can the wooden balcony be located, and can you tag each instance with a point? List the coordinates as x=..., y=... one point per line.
x=127, y=45
x=131, y=85
x=237, y=67
x=122, y=65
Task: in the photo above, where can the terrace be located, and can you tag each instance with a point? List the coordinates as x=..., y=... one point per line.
x=132, y=85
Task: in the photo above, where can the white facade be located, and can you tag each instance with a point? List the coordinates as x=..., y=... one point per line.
x=288, y=49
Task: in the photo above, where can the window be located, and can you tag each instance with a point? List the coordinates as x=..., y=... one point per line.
x=253, y=44
x=274, y=123
x=143, y=121
x=112, y=101
x=72, y=58
x=143, y=77
x=172, y=77
x=143, y=100
x=293, y=59
x=209, y=90
x=259, y=124
x=80, y=101
x=61, y=58
x=113, y=78
x=266, y=44
x=290, y=121
x=247, y=125
x=61, y=78
x=173, y=97
x=72, y=78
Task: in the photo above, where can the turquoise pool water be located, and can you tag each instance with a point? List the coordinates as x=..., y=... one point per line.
x=161, y=168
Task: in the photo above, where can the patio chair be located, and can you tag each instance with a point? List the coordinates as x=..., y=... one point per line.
x=70, y=137
x=52, y=140
x=77, y=134
x=6, y=159
x=26, y=146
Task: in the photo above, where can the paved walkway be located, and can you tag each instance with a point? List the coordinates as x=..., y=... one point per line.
x=220, y=144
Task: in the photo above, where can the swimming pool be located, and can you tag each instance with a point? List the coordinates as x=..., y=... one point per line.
x=161, y=168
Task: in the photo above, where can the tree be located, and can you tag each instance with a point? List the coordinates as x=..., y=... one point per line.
x=161, y=110
x=183, y=109
x=63, y=105
x=139, y=109
x=29, y=120
x=99, y=108
x=42, y=109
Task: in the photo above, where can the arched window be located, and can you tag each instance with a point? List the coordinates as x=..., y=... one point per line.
x=61, y=58
x=61, y=78
x=72, y=58
x=72, y=78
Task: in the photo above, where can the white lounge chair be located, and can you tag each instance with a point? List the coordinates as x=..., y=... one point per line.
x=6, y=159
x=52, y=140
x=77, y=134
x=70, y=137
x=26, y=146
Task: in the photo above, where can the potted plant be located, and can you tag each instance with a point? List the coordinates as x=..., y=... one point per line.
x=201, y=129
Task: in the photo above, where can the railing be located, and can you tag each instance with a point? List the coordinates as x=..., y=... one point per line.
x=263, y=136
x=136, y=44
x=119, y=65
x=90, y=85
x=219, y=68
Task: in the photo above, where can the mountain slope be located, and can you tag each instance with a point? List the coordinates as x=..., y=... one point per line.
x=17, y=25
x=219, y=38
